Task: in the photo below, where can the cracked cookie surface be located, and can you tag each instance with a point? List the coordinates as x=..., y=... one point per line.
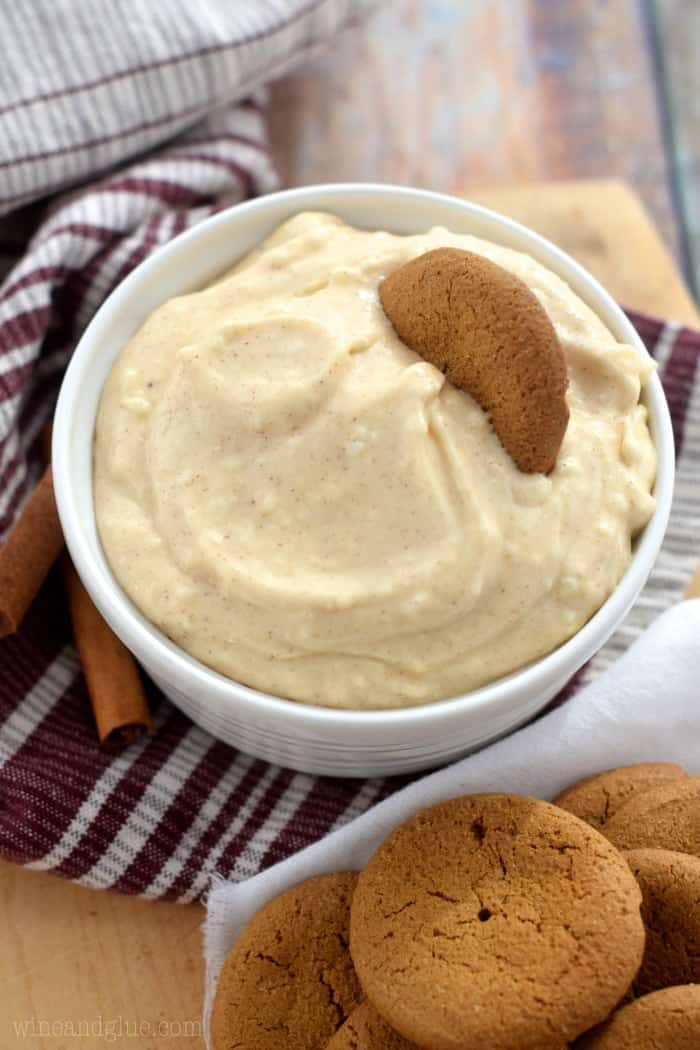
x=490, y=335
x=366, y=1030
x=665, y=1020
x=664, y=817
x=289, y=980
x=670, y=885
x=596, y=799
x=495, y=920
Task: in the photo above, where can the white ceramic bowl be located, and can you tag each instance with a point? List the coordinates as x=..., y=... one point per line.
x=315, y=739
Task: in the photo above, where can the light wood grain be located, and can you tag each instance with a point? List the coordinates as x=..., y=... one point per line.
x=75, y=957
x=442, y=94
x=693, y=590
x=71, y=954
x=602, y=224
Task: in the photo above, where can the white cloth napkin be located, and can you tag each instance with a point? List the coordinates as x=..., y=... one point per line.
x=645, y=707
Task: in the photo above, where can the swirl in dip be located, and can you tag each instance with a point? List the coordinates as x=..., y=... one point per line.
x=304, y=504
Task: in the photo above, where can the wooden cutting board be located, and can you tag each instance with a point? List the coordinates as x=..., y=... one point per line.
x=130, y=972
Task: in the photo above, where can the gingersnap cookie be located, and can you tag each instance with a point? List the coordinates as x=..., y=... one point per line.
x=663, y=817
x=495, y=921
x=670, y=885
x=490, y=335
x=289, y=979
x=665, y=1020
x=597, y=798
x=366, y=1030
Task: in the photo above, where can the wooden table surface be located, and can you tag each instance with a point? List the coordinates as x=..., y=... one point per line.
x=449, y=93
x=85, y=969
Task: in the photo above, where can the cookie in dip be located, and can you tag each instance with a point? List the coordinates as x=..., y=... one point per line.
x=309, y=507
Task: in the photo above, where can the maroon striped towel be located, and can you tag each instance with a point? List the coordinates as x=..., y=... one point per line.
x=160, y=818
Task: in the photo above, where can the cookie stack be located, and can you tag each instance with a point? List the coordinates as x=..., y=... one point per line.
x=493, y=922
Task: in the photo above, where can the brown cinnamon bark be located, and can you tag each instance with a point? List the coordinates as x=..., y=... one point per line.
x=112, y=677
x=28, y=553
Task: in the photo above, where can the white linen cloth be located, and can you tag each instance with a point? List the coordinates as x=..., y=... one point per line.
x=645, y=707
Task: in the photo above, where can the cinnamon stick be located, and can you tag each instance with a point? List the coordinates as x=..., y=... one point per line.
x=113, y=681
x=28, y=553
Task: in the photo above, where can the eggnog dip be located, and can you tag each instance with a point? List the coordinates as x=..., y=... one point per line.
x=307, y=506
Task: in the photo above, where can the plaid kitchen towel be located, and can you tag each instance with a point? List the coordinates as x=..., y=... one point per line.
x=160, y=818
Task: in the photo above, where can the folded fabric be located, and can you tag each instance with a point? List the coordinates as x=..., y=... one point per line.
x=87, y=86
x=643, y=708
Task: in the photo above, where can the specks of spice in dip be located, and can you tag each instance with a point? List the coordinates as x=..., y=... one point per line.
x=302, y=503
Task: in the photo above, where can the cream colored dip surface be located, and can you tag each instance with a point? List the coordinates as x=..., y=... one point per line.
x=304, y=504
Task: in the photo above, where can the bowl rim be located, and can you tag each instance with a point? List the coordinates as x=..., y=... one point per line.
x=172, y=663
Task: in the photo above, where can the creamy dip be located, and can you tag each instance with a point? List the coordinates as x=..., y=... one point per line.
x=304, y=504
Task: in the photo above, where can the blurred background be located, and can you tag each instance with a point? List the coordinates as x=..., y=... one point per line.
x=456, y=94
